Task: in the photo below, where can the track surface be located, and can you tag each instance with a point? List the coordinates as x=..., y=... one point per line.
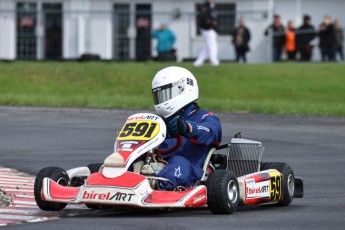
x=33, y=138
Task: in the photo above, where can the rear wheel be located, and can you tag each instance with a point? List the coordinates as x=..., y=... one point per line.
x=288, y=183
x=222, y=192
x=56, y=174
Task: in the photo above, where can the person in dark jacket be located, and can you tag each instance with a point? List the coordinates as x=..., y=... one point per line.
x=175, y=91
x=339, y=39
x=327, y=39
x=208, y=24
x=304, y=35
x=241, y=38
x=278, y=32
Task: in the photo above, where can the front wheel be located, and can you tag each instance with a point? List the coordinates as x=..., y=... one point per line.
x=222, y=192
x=288, y=183
x=56, y=174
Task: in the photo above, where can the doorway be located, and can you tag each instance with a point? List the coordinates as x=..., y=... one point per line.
x=132, y=31
x=39, y=31
x=52, y=30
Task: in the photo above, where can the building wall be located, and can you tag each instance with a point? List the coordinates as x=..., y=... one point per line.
x=87, y=25
x=7, y=30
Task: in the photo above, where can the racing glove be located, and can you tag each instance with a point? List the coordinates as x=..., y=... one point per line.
x=186, y=128
x=172, y=127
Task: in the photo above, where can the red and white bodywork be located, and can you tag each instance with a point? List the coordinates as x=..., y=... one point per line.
x=114, y=184
x=263, y=187
x=120, y=181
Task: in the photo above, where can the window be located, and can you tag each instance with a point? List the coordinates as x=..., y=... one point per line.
x=26, y=37
x=225, y=18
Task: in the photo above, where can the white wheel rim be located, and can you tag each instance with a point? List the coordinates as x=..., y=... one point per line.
x=291, y=184
x=232, y=191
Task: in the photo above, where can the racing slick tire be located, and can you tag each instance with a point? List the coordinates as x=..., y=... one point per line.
x=288, y=183
x=95, y=167
x=56, y=174
x=222, y=192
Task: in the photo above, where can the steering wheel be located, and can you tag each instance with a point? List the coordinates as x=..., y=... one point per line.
x=172, y=149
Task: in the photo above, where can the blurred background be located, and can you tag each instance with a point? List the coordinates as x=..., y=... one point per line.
x=121, y=30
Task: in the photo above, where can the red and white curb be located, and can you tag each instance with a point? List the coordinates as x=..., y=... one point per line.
x=21, y=203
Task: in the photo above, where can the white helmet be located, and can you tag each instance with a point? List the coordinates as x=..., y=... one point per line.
x=173, y=88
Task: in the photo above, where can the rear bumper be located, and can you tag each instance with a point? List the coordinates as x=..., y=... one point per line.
x=299, y=190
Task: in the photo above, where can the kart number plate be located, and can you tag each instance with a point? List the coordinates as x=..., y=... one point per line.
x=276, y=186
x=139, y=131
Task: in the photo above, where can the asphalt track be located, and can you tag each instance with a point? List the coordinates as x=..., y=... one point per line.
x=33, y=138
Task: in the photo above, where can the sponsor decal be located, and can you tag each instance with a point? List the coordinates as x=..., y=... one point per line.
x=199, y=198
x=178, y=172
x=118, y=196
x=151, y=117
x=126, y=146
x=156, y=89
x=250, y=181
x=135, y=118
x=200, y=127
x=258, y=190
x=190, y=82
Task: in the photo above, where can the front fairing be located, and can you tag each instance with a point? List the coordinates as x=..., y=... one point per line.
x=141, y=133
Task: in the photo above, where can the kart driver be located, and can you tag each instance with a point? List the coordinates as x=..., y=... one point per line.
x=175, y=91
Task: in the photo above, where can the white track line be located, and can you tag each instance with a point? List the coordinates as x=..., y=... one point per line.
x=25, y=202
x=5, y=180
x=15, y=186
x=17, y=177
x=17, y=217
x=23, y=196
x=17, y=190
x=16, y=183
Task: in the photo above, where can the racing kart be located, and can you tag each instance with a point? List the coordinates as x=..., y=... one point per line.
x=128, y=176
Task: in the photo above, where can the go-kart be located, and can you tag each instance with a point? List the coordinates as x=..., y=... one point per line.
x=128, y=176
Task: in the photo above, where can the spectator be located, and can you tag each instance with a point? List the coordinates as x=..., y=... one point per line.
x=304, y=35
x=327, y=39
x=339, y=39
x=278, y=33
x=165, y=41
x=208, y=31
x=240, y=40
x=290, y=41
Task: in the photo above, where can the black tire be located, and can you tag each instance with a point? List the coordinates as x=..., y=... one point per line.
x=56, y=174
x=288, y=180
x=95, y=168
x=222, y=192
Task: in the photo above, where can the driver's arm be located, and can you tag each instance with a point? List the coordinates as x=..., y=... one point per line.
x=208, y=131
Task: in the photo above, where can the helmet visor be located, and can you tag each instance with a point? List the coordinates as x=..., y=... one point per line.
x=166, y=92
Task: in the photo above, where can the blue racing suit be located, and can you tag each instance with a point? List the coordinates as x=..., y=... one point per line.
x=185, y=164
